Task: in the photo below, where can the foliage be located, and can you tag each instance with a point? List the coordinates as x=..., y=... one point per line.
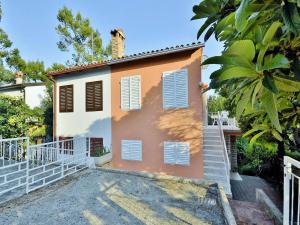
x=215, y=103
x=253, y=156
x=17, y=119
x=102, y=151
x=77, y=35
x=260, y=63
x=13, y=117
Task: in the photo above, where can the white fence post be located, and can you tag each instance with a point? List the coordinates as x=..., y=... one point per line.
x=286, y=191
x=27, y=164
x=291, y=198
x=89, y=147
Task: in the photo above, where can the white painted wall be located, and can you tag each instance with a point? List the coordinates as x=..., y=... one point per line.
x=34, y=95
x=80, y=122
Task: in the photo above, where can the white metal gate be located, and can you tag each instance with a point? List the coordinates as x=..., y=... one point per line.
x=291, y=206
x=52, y=161
x=13, y=163
x=38, y=165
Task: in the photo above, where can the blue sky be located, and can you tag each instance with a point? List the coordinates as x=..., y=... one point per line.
x=148, y=25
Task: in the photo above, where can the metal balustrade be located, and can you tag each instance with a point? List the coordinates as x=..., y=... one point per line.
x=227, y=122
x=225, y=152
x=13, y=163
x=36, y=166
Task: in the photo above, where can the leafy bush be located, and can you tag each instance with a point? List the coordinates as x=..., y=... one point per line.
x=102, y=151
x=17, y=119
x=253, y=157
x=294, y=155
x=13, y=117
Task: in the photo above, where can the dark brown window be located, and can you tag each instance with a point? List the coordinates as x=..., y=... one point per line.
x=66, y=98
x=67, y=145
x=96, y=147
x=94, y=96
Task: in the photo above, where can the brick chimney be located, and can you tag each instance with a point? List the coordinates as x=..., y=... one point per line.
x=117, y=43
x=19, y=77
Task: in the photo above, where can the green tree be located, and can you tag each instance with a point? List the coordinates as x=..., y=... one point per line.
x=260, y=64
x=13, y=117
x=78, y=36
x=215, y=103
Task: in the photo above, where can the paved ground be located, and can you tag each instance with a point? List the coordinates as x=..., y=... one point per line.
x=250, y=213
x=244, y=206
x=98, y=197
x=245, y=190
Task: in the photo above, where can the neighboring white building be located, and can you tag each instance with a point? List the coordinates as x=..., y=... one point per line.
x=33, y=93
x=83, y=106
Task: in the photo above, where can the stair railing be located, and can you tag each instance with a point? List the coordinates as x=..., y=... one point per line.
x=227, y=161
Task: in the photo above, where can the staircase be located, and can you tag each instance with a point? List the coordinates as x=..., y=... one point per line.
x=215, y=168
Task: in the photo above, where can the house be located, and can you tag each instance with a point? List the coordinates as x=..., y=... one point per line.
x=147, y=108
x=32, y=93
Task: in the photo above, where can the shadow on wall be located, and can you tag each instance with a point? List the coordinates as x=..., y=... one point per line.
x=154, y=125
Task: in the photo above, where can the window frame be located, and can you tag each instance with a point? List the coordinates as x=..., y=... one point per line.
x=94, y=109
x=66, y=100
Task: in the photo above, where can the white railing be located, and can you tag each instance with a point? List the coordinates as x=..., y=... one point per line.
x=226, y=121
x=52, y=161
x=13, y=163
x=38, y=165
x=291, y=202
x=227, y=161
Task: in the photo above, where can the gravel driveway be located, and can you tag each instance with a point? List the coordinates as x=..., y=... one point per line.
x=102, y=197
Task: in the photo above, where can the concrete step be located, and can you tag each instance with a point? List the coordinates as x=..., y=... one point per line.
x=213, y=147
x=214, y=158
x=214, y=170
x=212, y=142
x=213, y=163
x=212, y=132
x=213, y=152
x=212, y=138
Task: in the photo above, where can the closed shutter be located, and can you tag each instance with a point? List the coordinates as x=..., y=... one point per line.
x=135, y=92
x=125, y=89
x=131, y=150
x=181, y=88
x=182, y=153
x=62, y=99
x=130, y=92
x=169, y=152
x=66, y=98
x=175, y=89
x=94, y=96
x=176, y=153
x=168, y=90
x=98, y=100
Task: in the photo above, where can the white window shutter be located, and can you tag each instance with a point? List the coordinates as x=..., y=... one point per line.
x=135, y=92
x=169, y=152
x=168, y=90
x=182, y=153
x=181, y=88
x=125, y=93
x=125, y=150
x=131, y=150
x=136, y=150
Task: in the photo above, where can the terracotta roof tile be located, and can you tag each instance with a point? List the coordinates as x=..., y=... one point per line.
x=131, y=57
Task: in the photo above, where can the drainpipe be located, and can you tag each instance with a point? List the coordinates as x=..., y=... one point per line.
x=54, y=105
